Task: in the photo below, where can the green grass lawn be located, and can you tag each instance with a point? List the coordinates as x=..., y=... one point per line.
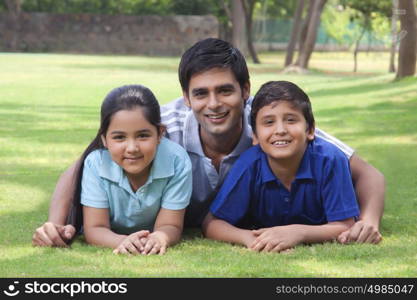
x=49, y=111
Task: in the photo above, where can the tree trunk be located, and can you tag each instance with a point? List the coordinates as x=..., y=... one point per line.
x=239, y=38
x=310, y=40
x=304, y=29
x=248, y=9
x=408, y=45
x=393, y=49
x=295, y=32
x=357, y=44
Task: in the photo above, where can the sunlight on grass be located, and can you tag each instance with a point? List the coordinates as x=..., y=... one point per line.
x=49, y=111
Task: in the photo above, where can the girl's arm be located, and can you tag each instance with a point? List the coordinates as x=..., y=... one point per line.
x=97, y=228
x=279, y=238
x=167, y=231
x=220, y=230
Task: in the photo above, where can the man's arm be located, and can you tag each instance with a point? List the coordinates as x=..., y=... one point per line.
x=55, y=232
x=370, y=190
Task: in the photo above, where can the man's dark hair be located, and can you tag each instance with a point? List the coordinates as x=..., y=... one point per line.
x=274, y=91
x=208, y=54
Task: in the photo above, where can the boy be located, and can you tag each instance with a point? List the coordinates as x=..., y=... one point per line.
x=295, y=187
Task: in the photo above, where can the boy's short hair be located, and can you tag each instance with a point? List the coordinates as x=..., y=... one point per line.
x=274, y=91
x=208, y=54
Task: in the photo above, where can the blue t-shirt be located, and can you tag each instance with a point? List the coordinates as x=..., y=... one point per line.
x=104, y=185
x=253, y=197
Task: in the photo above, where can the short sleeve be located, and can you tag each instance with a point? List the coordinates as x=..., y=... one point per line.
x=177, y=192
x=348, y=151
x=92, y=191
x=233, y=200
x=338, y=191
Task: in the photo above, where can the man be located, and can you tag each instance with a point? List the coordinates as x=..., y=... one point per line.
x=211, y=123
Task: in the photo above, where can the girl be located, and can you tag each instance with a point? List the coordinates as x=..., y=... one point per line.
x=131, y=179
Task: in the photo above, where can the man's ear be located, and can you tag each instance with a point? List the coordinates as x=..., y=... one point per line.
x=103, y=140
x=246, y=91
x=186, y=99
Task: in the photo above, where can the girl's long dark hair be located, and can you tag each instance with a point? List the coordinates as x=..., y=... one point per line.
x=126, y=97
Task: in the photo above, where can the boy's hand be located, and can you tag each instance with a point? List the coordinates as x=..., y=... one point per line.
x=276, y=239
x=53, y=235
x=360, y=232
x=132, y=244
x=154, y=244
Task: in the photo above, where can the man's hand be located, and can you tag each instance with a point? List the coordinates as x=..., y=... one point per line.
x=276, y=239
x=53, y=235
x=360, y=232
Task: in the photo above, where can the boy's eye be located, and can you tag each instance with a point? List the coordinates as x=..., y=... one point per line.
x=268, y=122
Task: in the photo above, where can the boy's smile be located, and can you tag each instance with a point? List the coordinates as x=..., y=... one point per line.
x=281, y=131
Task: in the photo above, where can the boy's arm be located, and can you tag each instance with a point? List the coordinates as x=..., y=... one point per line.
x=55, y=232
x=220, y=230
x=280, y=238
x=370, y=190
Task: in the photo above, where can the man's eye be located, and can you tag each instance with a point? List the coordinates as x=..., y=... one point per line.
x=226, y=92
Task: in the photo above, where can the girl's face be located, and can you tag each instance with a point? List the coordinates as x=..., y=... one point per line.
x=132, y=142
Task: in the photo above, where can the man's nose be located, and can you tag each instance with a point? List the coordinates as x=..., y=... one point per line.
x=213, y=102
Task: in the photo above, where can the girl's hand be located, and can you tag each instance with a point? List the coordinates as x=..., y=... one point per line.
x=276, y=239
x=154, y=244
x=132, y=244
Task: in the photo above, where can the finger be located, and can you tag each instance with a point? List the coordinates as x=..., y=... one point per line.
x=139, y=245
x=131, y=248
x=268, y=247
x=155, y=249
x=343, y=237
x=149, y=245
x=277, y=248
x=54, y=235
x=37, y=242
x=68, y=232
x=354, y=232
x=43, y=237
x=364, y=234
x=142, y=233
x=123, y=250
x=259, y=246
x=163, y=250
x=377, y=239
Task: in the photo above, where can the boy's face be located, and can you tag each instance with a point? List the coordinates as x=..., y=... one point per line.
x=281, y=131
x=217, y=101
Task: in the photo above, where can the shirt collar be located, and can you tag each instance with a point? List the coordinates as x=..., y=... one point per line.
x=192, y=141
x=303, y=172
x=162, y=165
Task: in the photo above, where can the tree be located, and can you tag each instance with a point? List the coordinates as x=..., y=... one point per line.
x=248, y=8
x=316, y=8
x=393, y=48
x=239, y=34
x=407, y=54
x=295, y=33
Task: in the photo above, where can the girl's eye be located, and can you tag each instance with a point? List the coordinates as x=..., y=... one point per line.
x=118, y=137
x=143, y=136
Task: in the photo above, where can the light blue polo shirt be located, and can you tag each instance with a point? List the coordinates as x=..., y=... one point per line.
x=169, y=185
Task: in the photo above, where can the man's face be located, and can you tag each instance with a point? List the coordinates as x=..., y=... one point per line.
x=217, y=101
